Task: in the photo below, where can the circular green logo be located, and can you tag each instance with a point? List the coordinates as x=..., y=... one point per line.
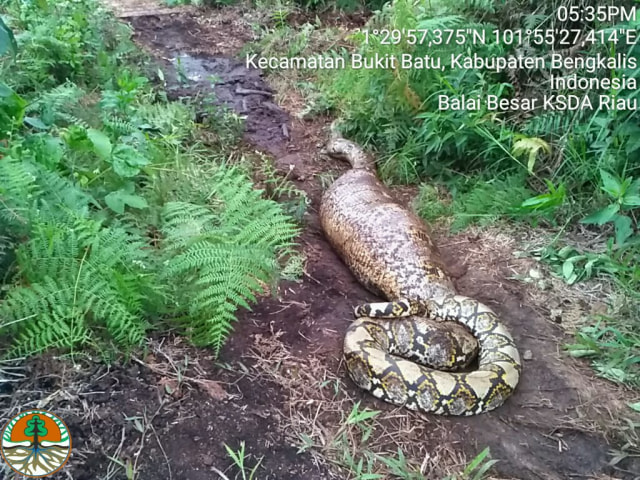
x=36, y=443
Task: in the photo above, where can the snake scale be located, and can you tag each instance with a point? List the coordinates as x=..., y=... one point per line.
x=404, y=350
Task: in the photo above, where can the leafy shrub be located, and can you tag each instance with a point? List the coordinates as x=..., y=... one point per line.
x=109, y=221
x=57, y=43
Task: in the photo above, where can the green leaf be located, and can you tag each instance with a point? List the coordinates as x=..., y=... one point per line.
x=530, y=146
x=47, y=150
x=565, y=251
x=127, y=161
x=634, y=188
x=361, y=416
x=581, y=352
x=7, y=40
x=602, y=216
x=35, y=122
x=482, y=471
x=477, y=461
x=611, y=184
x=567, y=268
x=545, y=201
x=138, y=425
x=623, y=228
x=12, y=108
x=631, y=200
x=588, y=267
x=117, y=200
x=633, y=144
x=535, y=201
x=101, y=143
x=634, y=406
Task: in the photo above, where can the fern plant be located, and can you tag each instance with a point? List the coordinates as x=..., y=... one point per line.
x=79, y=284
x=89, y=183
x=56, y=106
x=222, y=254
x=29, y=192
x=17, y=187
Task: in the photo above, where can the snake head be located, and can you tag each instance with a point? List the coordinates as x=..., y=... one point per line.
x=335, y=149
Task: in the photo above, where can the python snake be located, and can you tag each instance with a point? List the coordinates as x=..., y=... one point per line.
x=404, y=350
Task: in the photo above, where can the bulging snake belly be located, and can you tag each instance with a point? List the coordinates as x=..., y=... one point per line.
x=403, y=350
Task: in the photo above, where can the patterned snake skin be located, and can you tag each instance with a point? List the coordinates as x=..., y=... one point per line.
x=390, y=251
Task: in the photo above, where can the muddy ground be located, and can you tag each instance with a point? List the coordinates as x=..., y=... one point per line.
x=169, y=412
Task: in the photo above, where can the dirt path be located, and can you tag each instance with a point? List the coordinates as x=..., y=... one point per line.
x=171, y=412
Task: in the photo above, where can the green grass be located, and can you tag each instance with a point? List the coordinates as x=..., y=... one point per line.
x=475, y=201
x=348, y=449
x=240, y=459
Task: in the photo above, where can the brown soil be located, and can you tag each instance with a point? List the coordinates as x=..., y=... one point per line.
x=170, y=411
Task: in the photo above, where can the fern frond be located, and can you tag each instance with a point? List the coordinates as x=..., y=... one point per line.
x=173, y=120
x=221, y=255
x=18, y=188
x=118, y=126
x=86, y=284
x=63, y=118
x=533, y=20
x=554, y=123
x=42, y=316
x=60, y=195
x=57, y=105
x=529, y=146
x=57, y=99
x=255, y=220
x=442, y=22
x=183, y=222
x=485, y=202
x=29, y=191
x=480, y=6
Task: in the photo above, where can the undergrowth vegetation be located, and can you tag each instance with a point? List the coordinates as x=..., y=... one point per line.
x=574, y=172
x=116, y=220
x=120, y=216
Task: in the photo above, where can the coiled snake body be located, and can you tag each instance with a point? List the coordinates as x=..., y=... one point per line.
x=390, y=251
